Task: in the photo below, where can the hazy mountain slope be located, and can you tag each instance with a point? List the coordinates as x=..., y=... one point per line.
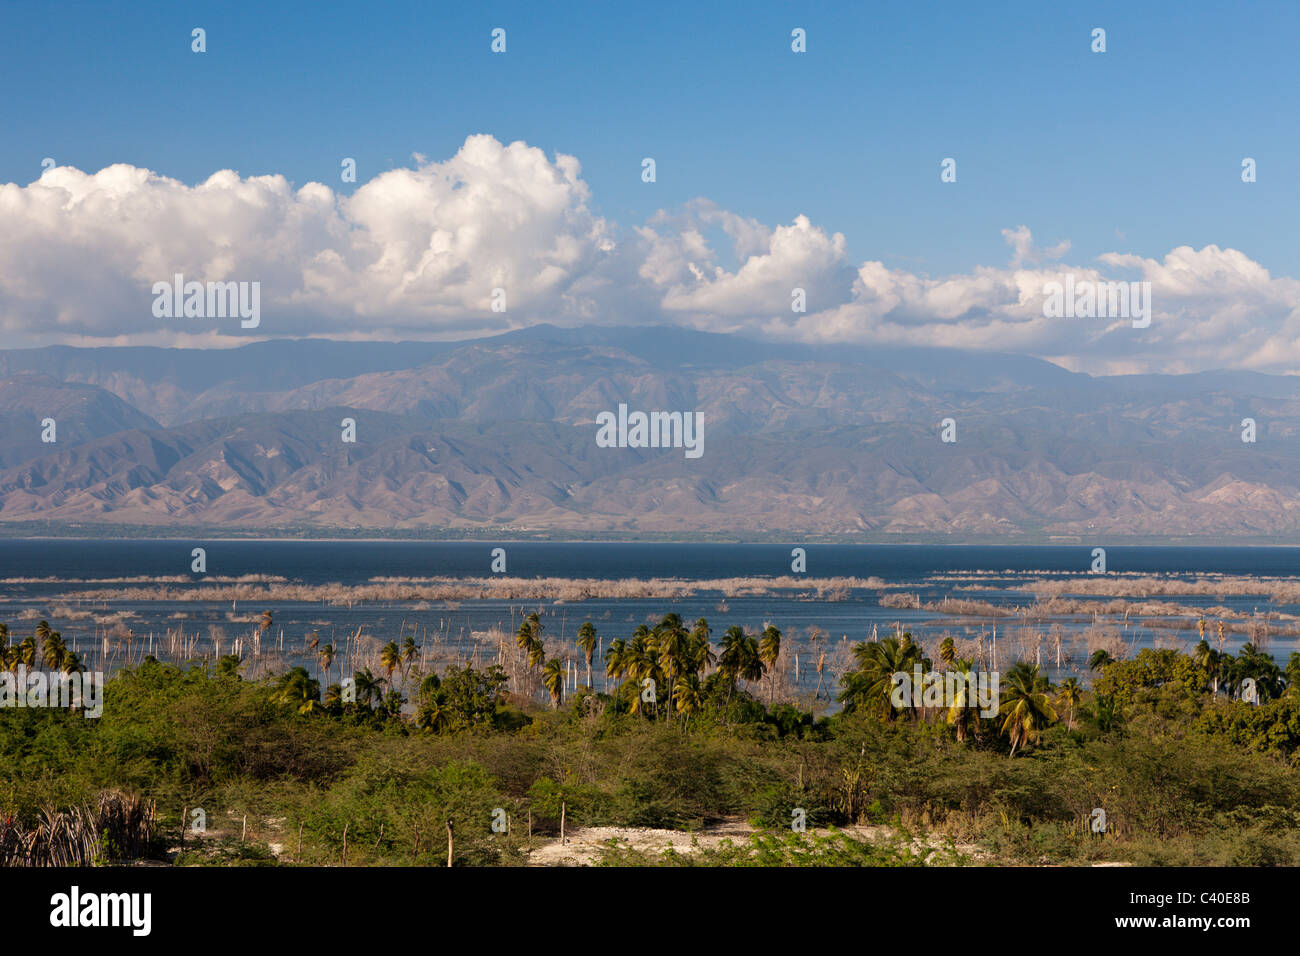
x=500, y=432
x=291, y=468
x=80, y=412
x=166, y=383
x=179, y=385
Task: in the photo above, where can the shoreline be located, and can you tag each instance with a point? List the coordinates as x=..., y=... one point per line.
x=999, y=544
x=991, y=542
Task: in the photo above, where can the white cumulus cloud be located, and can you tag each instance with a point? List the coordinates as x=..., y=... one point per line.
x=413, y=250
x=417, y=252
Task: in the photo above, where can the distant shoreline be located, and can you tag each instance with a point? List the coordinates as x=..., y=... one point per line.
x=441, y=536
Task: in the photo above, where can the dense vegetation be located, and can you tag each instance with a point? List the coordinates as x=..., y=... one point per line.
x=1184, y=773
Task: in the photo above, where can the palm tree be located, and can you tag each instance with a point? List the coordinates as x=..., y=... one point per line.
x=536, y=653
x=869, y=686
x=963, y=711
x=25, y=653
x=701, y=651
x=751, y=669
x=947, y=652
x=265, y=624
x=1100, y=659
x=671, y=644
x=432, y=714
x=529, y=639
x=409, y=653
x=53, y=650
x=1025, y=709
x=41, y=642
x=390, y=658
x=587, y=644
x=732, y=663
x=369, y=687
x=688, y=698
x=1069, y=695
x=553, y=680
x=731, y=659
x=326, y=660
x=1259, y=667
x=1210, y=661
x=739, y=660
x=530, y=630
x=641, y=663
x=333, y=697
x=616, y=659
x=296, y=688
x=769, y=649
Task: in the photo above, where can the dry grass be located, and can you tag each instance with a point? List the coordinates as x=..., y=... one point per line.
x=451, y=590
x=121, y=826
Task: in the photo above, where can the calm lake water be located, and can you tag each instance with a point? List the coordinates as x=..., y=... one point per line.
x=812, y=626
x=353, y=562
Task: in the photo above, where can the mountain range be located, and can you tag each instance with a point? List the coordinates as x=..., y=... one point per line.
x=496, y=437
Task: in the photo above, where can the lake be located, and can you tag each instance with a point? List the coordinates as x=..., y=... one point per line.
x=85, y=606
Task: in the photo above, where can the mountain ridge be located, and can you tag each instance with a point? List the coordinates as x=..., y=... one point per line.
x=499, y=432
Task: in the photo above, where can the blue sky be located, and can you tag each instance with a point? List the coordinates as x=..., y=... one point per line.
x=1132, y=155
x=1134, y=150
